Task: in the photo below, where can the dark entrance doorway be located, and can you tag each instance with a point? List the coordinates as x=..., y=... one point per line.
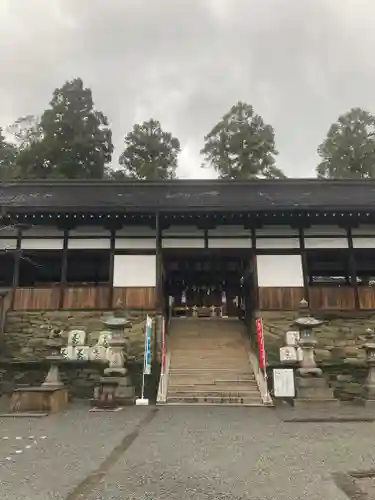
x=204, y=279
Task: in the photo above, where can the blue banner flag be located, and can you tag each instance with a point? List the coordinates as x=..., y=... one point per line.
x=147, y=354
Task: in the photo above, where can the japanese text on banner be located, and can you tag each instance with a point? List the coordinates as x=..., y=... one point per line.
x=262, y=353
x=147, y=354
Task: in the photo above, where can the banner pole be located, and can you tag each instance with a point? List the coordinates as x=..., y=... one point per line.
x=142, y=401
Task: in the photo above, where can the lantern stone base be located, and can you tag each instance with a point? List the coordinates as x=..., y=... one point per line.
x=369, y=403
x=39, y=399
x=113, y=392
x=313, y=390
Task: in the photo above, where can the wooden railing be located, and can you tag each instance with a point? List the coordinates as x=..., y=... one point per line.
x=88, y=297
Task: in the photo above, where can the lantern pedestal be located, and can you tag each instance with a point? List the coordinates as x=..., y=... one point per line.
x=369, y=396
x=115, y=388
x=311, y=386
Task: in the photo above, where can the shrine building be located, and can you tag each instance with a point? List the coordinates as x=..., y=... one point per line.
x=188, y=246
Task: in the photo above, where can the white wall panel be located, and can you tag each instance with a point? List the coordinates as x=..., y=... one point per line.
x=183, y=243
x=276, y=231
x=8, y=232
x=229, y=243
x=129, y=231
x=265, y=243
x=89, y=243
x=134, y=270
x=311, y=243
x=183, y=231
x=8, y=244
x=280, y=270
x=325, y=230
x=98, y=231
x=228, y=231
x=135, y=243
x=365, y=230
x=364, y=243
x=42, y=244
x=43, y=231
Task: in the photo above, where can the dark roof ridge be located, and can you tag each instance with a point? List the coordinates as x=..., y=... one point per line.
x=184, y=182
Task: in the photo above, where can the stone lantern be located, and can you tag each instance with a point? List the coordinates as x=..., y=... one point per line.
x=53, y=379
x=115, y=387
x=311, y=386
x=370, y=381
x=307, y=341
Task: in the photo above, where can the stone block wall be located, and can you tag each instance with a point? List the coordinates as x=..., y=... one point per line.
x=23, y=349
x=26, y=332
x=339, y=351
x=341, y=337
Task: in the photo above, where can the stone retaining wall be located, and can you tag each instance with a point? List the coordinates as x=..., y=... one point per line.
x=341, y=337
x=23, y=351
x=26, y=332
x=339, y=351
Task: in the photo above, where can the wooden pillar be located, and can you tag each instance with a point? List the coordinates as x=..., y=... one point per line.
x=205, y=235
x=159, y=269
x=305, y=270
x=353, y=268
x=64, y=269
x=111, y=267
x=17, y=265
x=254, y=285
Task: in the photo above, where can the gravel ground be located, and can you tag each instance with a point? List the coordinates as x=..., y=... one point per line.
x=236, y=453
x=199, y=453
x=64, y=449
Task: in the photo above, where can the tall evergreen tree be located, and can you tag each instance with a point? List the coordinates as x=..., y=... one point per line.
x=72, y=139
x=8, y=154
x=241, y=146
x=150, y=153
x=348, y=151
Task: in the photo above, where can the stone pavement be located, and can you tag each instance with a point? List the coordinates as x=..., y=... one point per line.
x=200, y=453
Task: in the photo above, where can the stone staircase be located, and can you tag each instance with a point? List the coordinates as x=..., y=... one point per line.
x=209, y=364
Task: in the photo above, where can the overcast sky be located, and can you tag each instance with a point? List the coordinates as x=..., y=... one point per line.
x=185, y=62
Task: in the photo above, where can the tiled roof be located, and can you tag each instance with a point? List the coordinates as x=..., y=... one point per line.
x=181, y=195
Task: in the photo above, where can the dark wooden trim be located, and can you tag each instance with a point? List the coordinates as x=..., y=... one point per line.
x=181, y=252
x=17, y=265
x=255, y=283
x=206, y=239
x=253, y=238
x=111, y=266
x=278, y=251
x=305, y=270
x=353, y=268
x=135, y=251
x=64, y=268
x=159, y=277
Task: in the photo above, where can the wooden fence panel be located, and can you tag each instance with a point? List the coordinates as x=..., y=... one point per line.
x=280, y=298
x=134, y=298
x=332, y=298
x=36, y=298
x=96, y=297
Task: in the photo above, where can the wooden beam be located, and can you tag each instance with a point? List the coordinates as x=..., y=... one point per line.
x=305, y=269
x=159, y=274
x=64, y=268
x=353, y=268
x=111, y=267
x=16, y=269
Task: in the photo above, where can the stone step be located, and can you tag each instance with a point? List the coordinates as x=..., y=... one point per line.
x=215, y=400
x=195, y=392
x=225, y=371
x=210, y=385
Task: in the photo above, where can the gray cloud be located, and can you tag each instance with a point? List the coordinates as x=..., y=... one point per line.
x=186, y=62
